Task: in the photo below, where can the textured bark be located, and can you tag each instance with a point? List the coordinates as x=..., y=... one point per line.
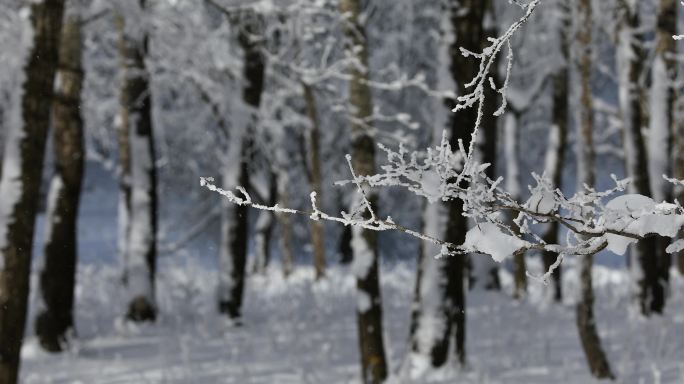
x=18, y=214
x=235, y=233
x=364, y=242
x=57, y=279
x=317, y=235
x=586, y=322
x=140, y=267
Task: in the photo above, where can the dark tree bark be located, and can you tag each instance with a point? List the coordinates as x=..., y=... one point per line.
x=140, y=267
x=20, y=183
x=263, y=230
x=364, y=242
x=467, y=22
x=317, y=235
x=57, y=279
x=488, y=146
x=235, y=230
x=586, y=322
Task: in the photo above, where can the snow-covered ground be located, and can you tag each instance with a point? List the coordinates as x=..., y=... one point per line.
x=298, y=331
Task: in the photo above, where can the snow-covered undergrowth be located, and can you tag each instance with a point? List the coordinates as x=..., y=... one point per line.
x=298, y=331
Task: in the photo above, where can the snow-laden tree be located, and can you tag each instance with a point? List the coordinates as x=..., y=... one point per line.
x=137, y=124
x=21, y=177
x=57, y=278
x=449, y=172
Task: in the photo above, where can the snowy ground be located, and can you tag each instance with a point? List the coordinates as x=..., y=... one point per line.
x=296, y=331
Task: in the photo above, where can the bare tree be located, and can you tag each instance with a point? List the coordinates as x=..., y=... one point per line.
x=364, y=242
x=555, y=155
x=236, y=172
x=586, y=322
x=140, y=263
x=317, y=234
x=631, y=62
x=57, y=279
x=20, y=183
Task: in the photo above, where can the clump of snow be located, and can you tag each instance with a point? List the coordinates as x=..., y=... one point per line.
x=489, y=239
x=675, y=246
x=363, y=254
x=430, y=184
x=542, y=201
x=641, y=216
x=363, y=301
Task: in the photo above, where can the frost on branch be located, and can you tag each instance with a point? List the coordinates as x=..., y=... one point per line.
x=443, y=173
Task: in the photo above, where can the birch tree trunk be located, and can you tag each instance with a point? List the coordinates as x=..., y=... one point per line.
x=233, y=257
x=555, y=155
x=20, y=184
x=512, y=148
x=430, y=329
x=631, y=57
x=586, y=322
x=317, y=234
x=364, y=242
x=123, y=128
x=57, y=279
x=662, y=126
x=136, y=106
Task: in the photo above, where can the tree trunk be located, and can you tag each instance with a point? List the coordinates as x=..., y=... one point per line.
x=662, y=126
x=488, y=148
x=57, y=279
x=586, y=322
x=631, y=63
x=20, y=183
x=236, y=172
x=512, y=149
x=364, y=242
x=124, y=171
x=234, y=237
x=136, y=106
x=555, y=155
x=263, y=230
x=285, y=223
x=317, y=235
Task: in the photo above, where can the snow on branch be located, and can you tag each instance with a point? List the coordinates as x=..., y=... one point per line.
x=595, y=220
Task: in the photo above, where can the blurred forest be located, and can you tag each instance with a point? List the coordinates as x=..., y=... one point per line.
x=291, y=191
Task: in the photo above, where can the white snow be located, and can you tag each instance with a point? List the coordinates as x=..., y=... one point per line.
x=639, y=215
x=542, y=201
x=298, y=331
x=363, y=255
x=10, y=186
x=487, y=238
